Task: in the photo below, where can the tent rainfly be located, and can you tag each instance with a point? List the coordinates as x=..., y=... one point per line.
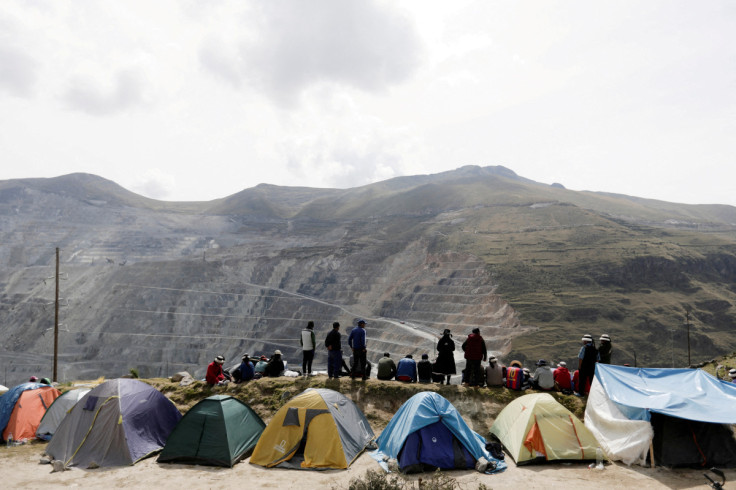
x=217, y=431
x=57, y=411
x=23, y=407
x=536, y=428
x=117, y=423
x=678, y=415
x=317, y=429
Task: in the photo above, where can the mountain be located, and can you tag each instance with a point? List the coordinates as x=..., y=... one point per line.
x=164, y=287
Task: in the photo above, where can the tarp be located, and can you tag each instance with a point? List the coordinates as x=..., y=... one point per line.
x=622, y=400
x=57, y=411
x=117, y=423
x=536, y=428
x=218, y=431
x=424, y=409
x=317, y=429
x=689, y=394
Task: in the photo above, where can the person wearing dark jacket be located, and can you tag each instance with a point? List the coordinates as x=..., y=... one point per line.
x=445, y=363
x=275, y=366
x=605, y=349
x=586, y=363
x=424, y=369
x=357, y=342
x=334, y=352
x=245, y=371
x=386, y=368
x=475, y=352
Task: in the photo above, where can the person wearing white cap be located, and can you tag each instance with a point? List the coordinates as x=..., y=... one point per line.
x=587, y=358
x=732, y=373
x=494, y=372
x=215, y=376
x=605, y=349
x=275, y=366
x=563, y=380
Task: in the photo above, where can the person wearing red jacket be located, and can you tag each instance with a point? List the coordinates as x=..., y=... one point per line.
x=214, y=375
x=562, y=377
x=475, y=352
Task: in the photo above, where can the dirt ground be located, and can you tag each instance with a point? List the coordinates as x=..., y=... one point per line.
x=20, y=468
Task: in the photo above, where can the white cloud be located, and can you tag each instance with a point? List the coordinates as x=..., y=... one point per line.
x=125, y=91
x=18, y=72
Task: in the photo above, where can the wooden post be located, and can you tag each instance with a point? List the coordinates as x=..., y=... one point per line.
x=56, y=318
x=651, y=454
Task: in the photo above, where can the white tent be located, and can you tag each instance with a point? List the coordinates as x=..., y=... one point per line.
x=57, y=411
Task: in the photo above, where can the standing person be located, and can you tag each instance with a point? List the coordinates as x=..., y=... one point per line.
x=215, y=376
x=586, y=363
x=356, y=341
x=308, y=343
x=445, y=363
x=732, y=374
x=475, y=352
x=424, y=369
x=494, y=373
x=334, y=352
x=386, y=368
x=605, y=350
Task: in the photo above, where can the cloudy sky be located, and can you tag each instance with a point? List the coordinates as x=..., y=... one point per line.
x=197, y=100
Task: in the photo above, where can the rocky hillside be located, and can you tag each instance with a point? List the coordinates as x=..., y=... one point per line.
x=163, y=287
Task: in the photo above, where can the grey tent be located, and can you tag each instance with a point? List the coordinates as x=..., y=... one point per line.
x=117, y=423
x=57, y=411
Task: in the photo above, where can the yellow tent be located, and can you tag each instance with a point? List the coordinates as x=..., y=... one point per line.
x=317, y=429
x=536, y=428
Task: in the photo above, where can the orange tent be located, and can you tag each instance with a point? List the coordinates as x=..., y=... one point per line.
x=28, y=411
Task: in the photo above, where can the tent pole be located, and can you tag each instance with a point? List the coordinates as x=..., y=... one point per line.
x=651, y=454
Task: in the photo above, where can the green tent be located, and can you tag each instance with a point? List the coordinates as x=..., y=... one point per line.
x=218, y=431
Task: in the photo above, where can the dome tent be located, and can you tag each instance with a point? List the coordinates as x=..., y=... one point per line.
x=536, y=428
x=317, y=429
x=57, y=411
x=117, y=423
x=428, y=432
x=23, y=407
x=218, y=431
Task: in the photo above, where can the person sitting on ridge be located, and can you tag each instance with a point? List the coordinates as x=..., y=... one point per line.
x=386, y=368
x=563, y=381
x=275, y=366
x=494, y=372
x=407, y=370
x=215, y=376
x=245, y=371
x=424, y=369
x=543, y=378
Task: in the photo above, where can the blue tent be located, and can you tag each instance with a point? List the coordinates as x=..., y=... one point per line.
x=428, y=432
x=679, y=413
x=7, y=401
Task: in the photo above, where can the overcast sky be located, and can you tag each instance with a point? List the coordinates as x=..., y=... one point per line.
x=197, y=100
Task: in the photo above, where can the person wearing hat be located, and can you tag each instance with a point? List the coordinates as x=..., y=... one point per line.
x=527, y=379
x=386, y=368
x=275, y=366
x=357, y=342
x=494, y=372
x=475, y=352
x=605, y=349
x=424, y=369
x=543, y=379
x=445, y=363
x=514, y=376
x=334, y=352
x=563, y=380
x=34, y=379
x=587, y=358
x=732, y=374
x=260, y=367
x=308, y=343
x=215, y=376
x=407, y=370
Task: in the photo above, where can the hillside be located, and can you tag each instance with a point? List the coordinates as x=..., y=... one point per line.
x=164, y=287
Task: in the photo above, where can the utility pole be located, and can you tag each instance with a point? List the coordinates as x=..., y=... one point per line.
x=687, y=322
x=56, y=317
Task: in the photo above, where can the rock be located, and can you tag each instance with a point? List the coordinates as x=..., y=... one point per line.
x=179, y=376
x=58, y=465
x=44, y=460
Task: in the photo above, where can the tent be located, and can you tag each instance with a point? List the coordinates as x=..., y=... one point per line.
x=427, y=432
x=22, y=408
x=218, y=431
x=678, y=414
x=317, y=429
x=117, y=423
x=536, y=428
x=57, y=411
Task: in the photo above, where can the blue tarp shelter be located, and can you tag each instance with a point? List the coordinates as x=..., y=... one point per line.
x=428, y=432
x=631, y=410
x=8, y=400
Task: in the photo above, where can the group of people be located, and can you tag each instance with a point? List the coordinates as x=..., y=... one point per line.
x=441, y=370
